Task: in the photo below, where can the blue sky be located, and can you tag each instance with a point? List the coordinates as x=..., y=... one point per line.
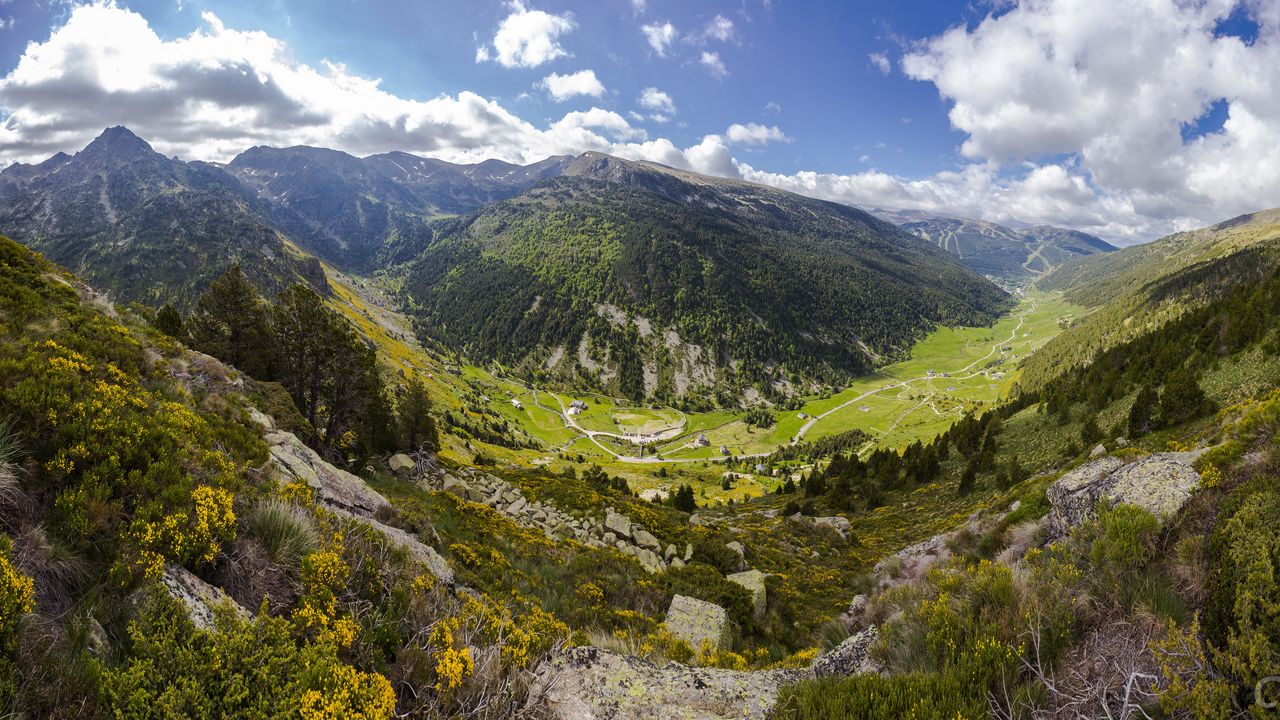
x=1017, y=112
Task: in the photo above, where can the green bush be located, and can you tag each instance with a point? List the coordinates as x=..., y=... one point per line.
x=946, y=696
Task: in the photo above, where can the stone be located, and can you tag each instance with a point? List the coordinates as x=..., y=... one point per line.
x=586, y=683
x=335, y=488
x=858, y=606
x=619, y=524
x=1098, y=451
x=402, y=465
x=838, y=524
x=418, y=550
x=1160, y=484
x=516, y=506
x=609, y=538
x=1073, y=496
x=688, y=552
x=454, y=486
x=740, y=551
x=670, y=552
x=696, y=621
x=262, y=419
x=197, y=596
x=654, y=495
x=754, y=582
x=677, y=562
x=649, y=560
x=851, y=657
x=644, y=539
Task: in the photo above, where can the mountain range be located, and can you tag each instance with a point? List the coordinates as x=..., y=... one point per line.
x=646, y=280
x=996, y=250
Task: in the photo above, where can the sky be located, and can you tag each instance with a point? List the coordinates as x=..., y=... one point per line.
x=1128, y=120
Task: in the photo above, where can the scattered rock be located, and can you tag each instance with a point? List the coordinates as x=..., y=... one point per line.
x=644, y=539
x=262, y=419
x=1098, y=451
x=754, y=582
x=836, y=523
x=457, y=487
x=740, y=551
x=696, y=621
x=1160, y=483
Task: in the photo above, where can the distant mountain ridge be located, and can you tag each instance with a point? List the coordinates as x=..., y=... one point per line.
x=996, y=250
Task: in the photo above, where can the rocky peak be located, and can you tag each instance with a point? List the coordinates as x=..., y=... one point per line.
x=115, y=145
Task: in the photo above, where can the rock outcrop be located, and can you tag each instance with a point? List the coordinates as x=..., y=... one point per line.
x=697, y=621
x=334, y=487
x=587, y=683
x=1160, y=483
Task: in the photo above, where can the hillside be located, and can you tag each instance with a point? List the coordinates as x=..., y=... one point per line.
x=996, y=250
x=365, y=213
x=143, y=226
x=660, y=283
x=1140, y=288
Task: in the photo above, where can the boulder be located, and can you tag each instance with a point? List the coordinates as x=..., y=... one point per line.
x=586, y=683
x=1098, y=451
x=1160, y=484
x=199, y=597
x=644, y=539
x=696, y=621
x=402, y=465
x=753, y=581
x=740, y=551
x=670, y=552
x=335, y=488
x=262, y=419
x=838, y=524
x=617, y=523
x=851, y=657
x=1074, y=495
x=454, y=486
x=418, y=550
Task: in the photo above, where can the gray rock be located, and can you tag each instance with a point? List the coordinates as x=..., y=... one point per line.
x=1160, y=483
x=454, y=486
x=851, y=657
x=587, y=683
x=838, y=524
x=199, y=597
x=670, y=552
x=696, y=621
x=335, y=488
x=688, y=552
x=609, y=538
x=418, y=550
x=649, y=560
x=740, y=551
x=644, y=539
x=676, y=563
x=619, y=524
x=262, y=419
x=516, y=506
x=402, y=465
x=1098, y=451
x=1074, y=495
x=754, y=582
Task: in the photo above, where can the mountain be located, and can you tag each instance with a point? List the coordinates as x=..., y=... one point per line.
x=1138, y=289
x=364, y=213
x=146, y=227
x=996, y=250
x=656, y=282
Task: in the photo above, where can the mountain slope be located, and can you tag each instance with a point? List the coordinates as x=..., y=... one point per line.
x=364, y=213
x=144, y=226
x=996, y=250
x=654, y=281
x=1140, y=288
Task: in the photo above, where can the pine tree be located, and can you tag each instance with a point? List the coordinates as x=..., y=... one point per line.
x=169, y=321
x=231, y=323
x=1141, y=415
x=416, y=425
x=1182, y=398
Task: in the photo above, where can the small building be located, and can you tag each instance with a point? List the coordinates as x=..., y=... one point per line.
x=864, y=408
x=702, y=441
x=761, y=468
x=580, y=405
x=574, y=410
x=803, y=416
x=517, y=404
x=724, y=450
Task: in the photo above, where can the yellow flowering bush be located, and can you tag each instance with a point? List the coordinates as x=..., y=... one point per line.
x=349, y=694
x=323, y=573
x=17, y=598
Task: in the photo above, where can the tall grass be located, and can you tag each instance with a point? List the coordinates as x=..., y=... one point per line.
x=286, y=531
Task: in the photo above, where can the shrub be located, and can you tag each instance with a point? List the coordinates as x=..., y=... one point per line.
x=286, y=531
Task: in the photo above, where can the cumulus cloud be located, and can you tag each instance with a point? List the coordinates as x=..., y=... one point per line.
x=755, y=134
x=527, y=38
x=651, y=98
x=660, y=36
x=1114, y=87
x=714, y=65
x=563, y=87
x=881, y=62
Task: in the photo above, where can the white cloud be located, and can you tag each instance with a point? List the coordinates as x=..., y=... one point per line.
x=714, y=65
x=527, y=38
x=660, y=36
x=638, y=6
x=755, y=134
x=651, y=98
x=598, y=119
x=1112, y=87
x=563, y=87
x=881, y=62
x=720, y=28
x=772, y=108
